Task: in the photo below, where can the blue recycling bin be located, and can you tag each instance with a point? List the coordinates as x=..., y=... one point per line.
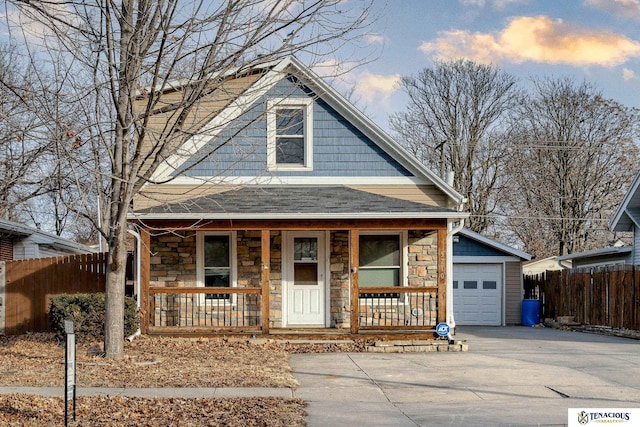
x=530, y=312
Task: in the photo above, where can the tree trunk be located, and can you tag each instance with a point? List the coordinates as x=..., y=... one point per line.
x=114, y=316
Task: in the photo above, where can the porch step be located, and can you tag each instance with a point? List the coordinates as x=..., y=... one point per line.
x=417, y=346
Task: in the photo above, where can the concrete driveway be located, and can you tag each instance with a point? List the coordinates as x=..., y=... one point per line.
x=510, y=376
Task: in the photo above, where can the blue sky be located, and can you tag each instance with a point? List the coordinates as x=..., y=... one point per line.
x=593, y=40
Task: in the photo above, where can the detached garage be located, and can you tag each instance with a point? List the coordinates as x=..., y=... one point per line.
x=487, y=281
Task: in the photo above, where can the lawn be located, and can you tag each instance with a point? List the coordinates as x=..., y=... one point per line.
x=38, y=360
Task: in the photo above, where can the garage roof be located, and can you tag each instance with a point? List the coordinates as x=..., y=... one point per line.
x=494, y=244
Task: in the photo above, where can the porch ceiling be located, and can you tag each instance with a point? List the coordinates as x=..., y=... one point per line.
x=295, y=202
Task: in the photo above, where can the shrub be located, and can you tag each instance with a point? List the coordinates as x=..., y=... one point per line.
x=87, y=312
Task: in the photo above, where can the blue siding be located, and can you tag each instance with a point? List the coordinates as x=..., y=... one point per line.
x=469, y=247
x=339, y=149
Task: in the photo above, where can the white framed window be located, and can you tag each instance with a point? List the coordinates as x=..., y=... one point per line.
x=290, y=134
x=216, y=261
x=382, y=258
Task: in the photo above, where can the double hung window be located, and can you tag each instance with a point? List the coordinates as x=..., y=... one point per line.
x=380, y=262
x=215, y=262
x=290, y=134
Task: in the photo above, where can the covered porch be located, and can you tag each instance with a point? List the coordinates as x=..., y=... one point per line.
x=271, y=259
x=295, y=277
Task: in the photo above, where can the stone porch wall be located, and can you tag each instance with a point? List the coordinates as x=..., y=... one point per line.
x=339, y=279
x=173, y=259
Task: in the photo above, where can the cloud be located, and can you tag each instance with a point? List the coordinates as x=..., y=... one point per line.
x=497, y=4
x=372, y=87
x=356, y=83
x=536, y=39
x=372, y=38
x=623, y=8
x=628, y=74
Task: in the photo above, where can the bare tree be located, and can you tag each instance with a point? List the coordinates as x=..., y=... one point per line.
x=20, y=135
x=573, y=154
x=453, y=120
x=119, y=52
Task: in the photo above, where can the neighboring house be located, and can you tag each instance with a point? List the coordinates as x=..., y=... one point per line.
x=311, y=217
x=600, y=258
x=20, y=242
x=627, y=218
x=538, y=266
x=487, y=274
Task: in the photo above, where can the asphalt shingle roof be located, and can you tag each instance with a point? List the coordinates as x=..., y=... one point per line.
x=282, y=200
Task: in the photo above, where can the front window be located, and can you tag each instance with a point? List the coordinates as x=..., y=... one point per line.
x=215, y=269
x=289, y=134
x=380, y=261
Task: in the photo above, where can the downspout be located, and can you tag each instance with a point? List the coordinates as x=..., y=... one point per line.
x=453, y=228
x=136, y=235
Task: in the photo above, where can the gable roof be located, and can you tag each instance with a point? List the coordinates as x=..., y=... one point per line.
x=296, y=202
x=628, y=214
x=494, y=244
x=277, y=71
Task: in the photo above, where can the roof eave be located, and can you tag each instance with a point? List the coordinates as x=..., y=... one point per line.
x=296, y=216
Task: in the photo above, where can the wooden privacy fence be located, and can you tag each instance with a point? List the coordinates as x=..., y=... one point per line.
x=30, y=283
x=605, y=298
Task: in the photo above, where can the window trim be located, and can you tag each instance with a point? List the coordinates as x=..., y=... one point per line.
x=233, y=264
x=403, y=234
x=306, y=104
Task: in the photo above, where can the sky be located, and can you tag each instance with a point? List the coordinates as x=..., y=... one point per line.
x=597, y=41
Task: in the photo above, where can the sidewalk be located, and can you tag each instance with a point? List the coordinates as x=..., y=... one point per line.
x=163, y=392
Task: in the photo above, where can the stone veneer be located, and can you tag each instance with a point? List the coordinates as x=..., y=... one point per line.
x=422, y=258
x=173, y=259
x=339, y=280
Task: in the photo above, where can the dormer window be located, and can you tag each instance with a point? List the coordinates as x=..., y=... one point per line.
x=290, y=134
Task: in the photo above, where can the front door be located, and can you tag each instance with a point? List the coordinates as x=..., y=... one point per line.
x=304, y=278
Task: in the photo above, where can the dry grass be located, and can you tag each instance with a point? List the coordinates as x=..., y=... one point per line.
x=38, y=360
x=27, y=410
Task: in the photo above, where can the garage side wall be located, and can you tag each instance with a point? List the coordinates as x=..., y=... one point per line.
x=513, y=292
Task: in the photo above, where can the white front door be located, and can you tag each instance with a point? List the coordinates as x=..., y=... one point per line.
x=304, y=278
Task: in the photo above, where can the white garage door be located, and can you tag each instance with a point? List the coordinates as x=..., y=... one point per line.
x=477, y=294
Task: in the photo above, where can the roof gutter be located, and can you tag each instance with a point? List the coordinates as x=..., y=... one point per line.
x=298, y=215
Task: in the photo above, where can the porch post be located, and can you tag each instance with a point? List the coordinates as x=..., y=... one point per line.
x=354, y=262
x=442, y=275
x=264, y=279
x=145, y=273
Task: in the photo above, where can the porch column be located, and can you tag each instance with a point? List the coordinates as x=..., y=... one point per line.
x=442, y=275
x=145, y=272
x=264, y=278
x=354, y=262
